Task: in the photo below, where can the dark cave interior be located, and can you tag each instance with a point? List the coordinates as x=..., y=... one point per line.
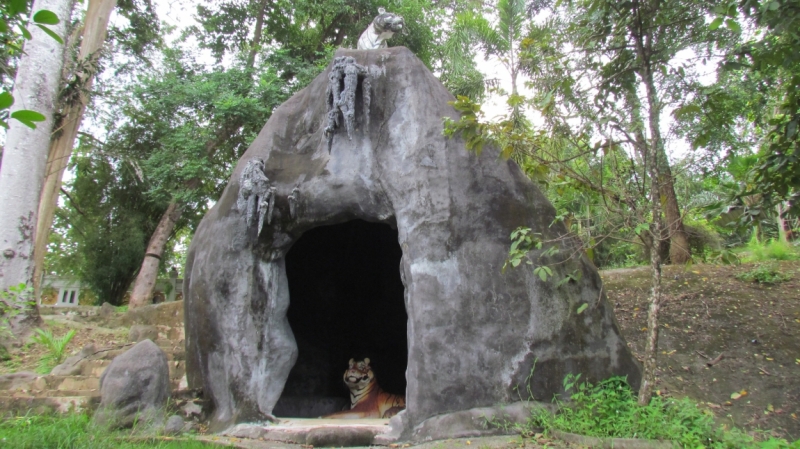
x=346, y=301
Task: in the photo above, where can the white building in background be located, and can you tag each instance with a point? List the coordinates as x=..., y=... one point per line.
x=67, y=291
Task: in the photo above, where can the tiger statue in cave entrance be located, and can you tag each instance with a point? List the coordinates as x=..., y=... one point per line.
x=367, y=399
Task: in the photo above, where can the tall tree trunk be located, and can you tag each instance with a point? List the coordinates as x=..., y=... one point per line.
x=783, y=236
x=679, y=247
x=94, y=35
x=25, y=157
x=255, y=44
x=145, y=283
x=644, y=52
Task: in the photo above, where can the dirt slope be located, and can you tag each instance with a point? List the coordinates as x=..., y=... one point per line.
x=709, y=312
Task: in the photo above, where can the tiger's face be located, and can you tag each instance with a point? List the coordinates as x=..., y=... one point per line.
x=359, y=375
x=388, y=22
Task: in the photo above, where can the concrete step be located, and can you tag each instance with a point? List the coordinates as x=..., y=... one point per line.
x=22, y=394
x=67, y=388
x=171, y=355
x=58, y=383
x=61, y=404
x=95, y=368
x=177, y=369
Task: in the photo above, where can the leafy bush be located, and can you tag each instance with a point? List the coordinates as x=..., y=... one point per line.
x=764, y=273
x=74, y=431
x=772, y=250
x=610, y=409
x=55, y=348
x=12, y=301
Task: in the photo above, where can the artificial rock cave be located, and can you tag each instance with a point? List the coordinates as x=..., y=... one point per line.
x=260, y=293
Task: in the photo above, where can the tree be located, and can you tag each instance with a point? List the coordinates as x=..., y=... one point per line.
x=110, y=217
x=501, y=40
x=769, y=62
x=72, y=104
x=604, y=73
x=304, y=34
x=187, y=127
x=25, y=156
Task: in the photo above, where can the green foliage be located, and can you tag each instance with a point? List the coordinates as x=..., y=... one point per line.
x=110, y=217
x=75, y=431
x=769, y=62
x=472, y=30
x=610, y=409
x=12, y=302
x=764, y=273
x=305, y=29
x=56, y=347
x=772, y=250
x=14, y=31
x=523, y=240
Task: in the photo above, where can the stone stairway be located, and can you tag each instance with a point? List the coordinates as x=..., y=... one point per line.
x=26, y=391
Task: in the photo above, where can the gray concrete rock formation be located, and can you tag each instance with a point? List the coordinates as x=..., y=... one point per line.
x=134, y=388
x=73, y=365
x=476, y=337
x=174, y=425
x=142, y=332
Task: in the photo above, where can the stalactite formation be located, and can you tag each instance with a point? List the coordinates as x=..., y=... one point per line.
x=255, y=194
x=294, y=197
x=341, y=95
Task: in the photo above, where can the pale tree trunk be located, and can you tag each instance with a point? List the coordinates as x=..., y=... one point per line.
x=656, y=236
x=679, y=248
x=25, y=156
x=95, y=26
x=678, y=238
x=655, y=152
x=782, y=234
x=145, y=283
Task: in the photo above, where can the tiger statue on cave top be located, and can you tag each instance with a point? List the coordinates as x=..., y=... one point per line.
x=367, y=399
x=380, y=30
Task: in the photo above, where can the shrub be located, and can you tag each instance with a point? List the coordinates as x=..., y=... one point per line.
x=610, y=409
x=55, y=348
x=764, y=273
x=772, y=250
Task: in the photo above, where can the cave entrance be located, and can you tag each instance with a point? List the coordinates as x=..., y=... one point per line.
x=346, y=301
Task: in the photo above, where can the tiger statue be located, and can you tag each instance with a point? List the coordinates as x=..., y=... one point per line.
x=367, y=400
x=380, y=30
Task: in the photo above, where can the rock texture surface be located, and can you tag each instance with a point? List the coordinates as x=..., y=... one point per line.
x=73, y=365
x=474, y=333
x=135, y=387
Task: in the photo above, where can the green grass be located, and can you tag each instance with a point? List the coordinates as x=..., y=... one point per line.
x=610, y=409
x=74, y=431
x=772, y=250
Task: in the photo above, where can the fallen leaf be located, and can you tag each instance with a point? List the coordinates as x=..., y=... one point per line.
x=738, y=394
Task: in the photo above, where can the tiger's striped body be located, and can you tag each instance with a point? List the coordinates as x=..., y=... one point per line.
x=367, y=399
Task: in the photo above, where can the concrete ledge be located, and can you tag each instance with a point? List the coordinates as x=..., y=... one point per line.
x=477, y=422
x=316, y=432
